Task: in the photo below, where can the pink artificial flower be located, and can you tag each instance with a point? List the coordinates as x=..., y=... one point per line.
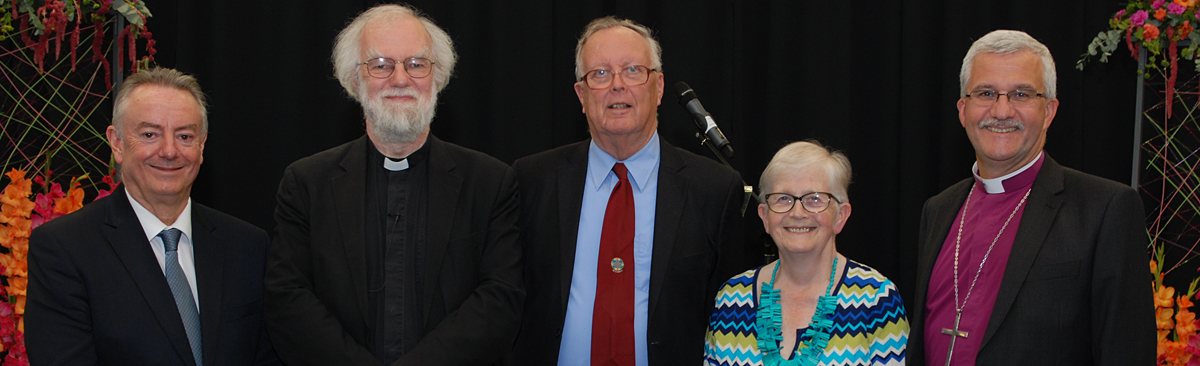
x=1157, y=4
x=1138, y=18
x=1120, y=12
x=43, y=209
x=1176, y=9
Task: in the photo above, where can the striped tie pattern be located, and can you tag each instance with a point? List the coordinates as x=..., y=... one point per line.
x=182, y=292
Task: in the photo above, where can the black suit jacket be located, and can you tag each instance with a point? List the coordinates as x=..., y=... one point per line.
x=97, y=295
x=697, y=246
x=1076, y=288
x=317, y=277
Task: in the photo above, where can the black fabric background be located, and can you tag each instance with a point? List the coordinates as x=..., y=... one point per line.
x=877, y=80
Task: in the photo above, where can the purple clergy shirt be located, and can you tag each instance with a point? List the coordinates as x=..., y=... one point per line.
x=991, y=202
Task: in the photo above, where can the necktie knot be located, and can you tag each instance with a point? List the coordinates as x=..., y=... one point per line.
x=170, y=239
x=622, y=172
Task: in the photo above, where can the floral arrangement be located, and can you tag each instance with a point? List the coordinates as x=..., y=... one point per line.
x=20, y=212
x=1158, y=26
x=52, y=21
x=1178, y=343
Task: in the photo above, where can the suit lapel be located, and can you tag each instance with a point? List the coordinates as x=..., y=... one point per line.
x=1038, y=215
x=125, y=235
x=939, y=224
x=671, y=194
x=444, y=187
x=571, y=180
x=208, y=251
x=349, y=201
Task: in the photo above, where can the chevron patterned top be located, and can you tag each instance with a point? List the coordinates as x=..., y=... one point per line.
x=869, y=326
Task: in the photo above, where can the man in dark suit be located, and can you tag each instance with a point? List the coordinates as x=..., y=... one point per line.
x=645, y=296
x=395, y=248
x=144, y=276
x=1029, y=262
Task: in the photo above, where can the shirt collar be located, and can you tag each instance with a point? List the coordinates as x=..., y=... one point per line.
x=1011, y=181
x=640, y=164
x=152, y=225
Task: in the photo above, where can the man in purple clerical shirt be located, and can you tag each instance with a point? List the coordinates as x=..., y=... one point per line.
x=1028, y=262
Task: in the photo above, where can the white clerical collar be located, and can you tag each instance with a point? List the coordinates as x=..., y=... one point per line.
x=394, y=165
x=996, y=185
x=152, y=225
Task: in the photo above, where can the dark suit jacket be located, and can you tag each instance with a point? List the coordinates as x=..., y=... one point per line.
x=317, y=277
x=1076, y=288
x=697, y=246
x=97, y=295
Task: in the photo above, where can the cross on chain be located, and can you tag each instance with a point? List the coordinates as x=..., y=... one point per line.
x=954, y=334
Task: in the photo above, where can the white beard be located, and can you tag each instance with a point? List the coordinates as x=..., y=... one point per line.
x=398, y=123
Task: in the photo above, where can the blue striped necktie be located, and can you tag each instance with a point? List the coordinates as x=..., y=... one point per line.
x=182, y=292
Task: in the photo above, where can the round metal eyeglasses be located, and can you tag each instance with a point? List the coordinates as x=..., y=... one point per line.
x=602, y=78
x=382, y=67
x=986, y=98
x=815, y=202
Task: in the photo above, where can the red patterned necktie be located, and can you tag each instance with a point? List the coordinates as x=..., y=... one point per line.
x=612, y=317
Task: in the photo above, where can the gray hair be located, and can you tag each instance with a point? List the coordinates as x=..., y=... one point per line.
x=1008, y=42
x=800, y=156
x=159, y=76
x=608, y=22
x=347, y=54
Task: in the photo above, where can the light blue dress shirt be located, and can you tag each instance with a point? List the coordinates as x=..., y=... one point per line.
x=576, y=346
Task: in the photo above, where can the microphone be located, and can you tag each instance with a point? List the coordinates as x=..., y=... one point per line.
x=704, y=121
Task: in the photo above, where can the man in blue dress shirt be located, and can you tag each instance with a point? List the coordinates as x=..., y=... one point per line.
x=644, y=300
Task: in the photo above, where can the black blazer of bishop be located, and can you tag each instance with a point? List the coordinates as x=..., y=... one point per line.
x=1076, y=288
x=317, y=276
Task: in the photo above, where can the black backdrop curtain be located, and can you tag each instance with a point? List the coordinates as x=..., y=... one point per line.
x=877, y=80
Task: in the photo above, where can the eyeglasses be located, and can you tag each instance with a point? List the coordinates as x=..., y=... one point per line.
x=815, y=202
x=382, y=67
x=632, y=75
x=986, y=98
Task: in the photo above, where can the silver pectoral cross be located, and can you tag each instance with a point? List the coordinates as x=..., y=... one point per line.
x=954, y=334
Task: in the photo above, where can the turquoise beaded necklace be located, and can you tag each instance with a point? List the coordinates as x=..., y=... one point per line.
x=769, y=322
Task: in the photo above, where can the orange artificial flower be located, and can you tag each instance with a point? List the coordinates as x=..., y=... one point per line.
x=14, y=266
x=14, y=200
x=20, y=306
x=6, y=236
x=1163, y=318
x=72, y=201
x=1185, y=324
x=1184, y=30
x=20, y=246
x=1150, y=32
x=1160, y=14
x=1164, y=297
x=1186, y=3
x=16, y=286
x=1162, y=337
x=1176, y=353
x=1153, y=266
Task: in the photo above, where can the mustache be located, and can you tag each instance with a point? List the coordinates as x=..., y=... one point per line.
x=999, y=123
x=399, y=92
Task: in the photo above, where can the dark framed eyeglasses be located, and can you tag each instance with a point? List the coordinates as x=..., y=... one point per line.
x=815, y=202
x=602, y=78
x=986, y=98
x=382, y=67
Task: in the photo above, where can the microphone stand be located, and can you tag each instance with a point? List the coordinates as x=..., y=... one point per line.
x=748, y=189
